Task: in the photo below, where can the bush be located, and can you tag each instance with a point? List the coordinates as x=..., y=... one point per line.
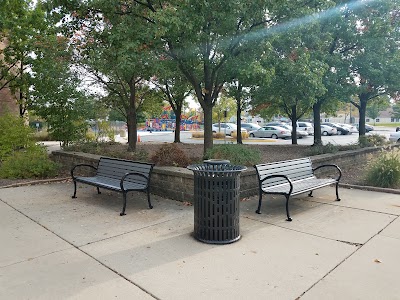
x=245, y=134
x=110, y=149
x=42, y=136
x=372, y=140
x=170, y=155
x=384, y=171
x=14, y=135
x=198, y=134
x=322, y=149
x=236, y=154
x=28, y=163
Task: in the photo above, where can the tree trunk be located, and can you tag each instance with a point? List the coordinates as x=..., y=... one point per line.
x=178, y=112
x=362, y=109
x=294, y=125
x=239, y=139
x=132, y=117
x=208, y=135
x=317, y=124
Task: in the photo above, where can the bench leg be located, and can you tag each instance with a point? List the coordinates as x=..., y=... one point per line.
x=337, y=191
x=98, y=190
x=259, y=204
x=287, y=208
x=124, y=206
x=148, y=198
x=74, y=196
x=310, y=194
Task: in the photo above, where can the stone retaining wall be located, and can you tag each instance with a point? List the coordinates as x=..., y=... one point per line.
x=177, y=183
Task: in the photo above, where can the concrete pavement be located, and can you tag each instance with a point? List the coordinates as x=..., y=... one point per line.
x=55, y=247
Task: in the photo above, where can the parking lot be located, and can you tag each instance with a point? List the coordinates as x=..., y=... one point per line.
x=186, y=137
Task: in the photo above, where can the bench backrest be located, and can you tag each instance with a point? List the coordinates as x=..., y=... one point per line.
x=116, y=168
x=295, y=169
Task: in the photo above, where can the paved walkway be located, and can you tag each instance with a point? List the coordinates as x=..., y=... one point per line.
x=55, y=247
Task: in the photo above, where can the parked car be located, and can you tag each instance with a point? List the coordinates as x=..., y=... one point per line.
x=395, y=137
x=351, y=128
x=274, y=132
x=300, y=133
x=368, y=127
x=328, y=130
x=340, y=130
x=250, y=126
x=306, y=126
x=226, y=128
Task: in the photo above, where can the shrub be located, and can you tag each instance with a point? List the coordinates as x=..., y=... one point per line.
x=219, y=135
x=28, y=163
x=198, y=134
x=110, y=149
x=245, y=134
x=170, y=155
x=41, y=136
x=14, y=135
x=236, y=154
x=384, y=171
x=372, y=140
x=322, y=149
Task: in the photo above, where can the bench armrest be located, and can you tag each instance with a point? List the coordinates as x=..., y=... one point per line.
x=277, y=176
x=333, y=166
x=81, y=165
x=133, y=173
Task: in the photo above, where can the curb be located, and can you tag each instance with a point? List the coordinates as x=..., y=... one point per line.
x=370, y=188
x=34, y=182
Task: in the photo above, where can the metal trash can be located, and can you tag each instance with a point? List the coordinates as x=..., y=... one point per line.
x=216, y=201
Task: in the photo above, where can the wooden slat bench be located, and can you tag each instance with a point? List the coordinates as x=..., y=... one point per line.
x=117, y=175
x=292, y=177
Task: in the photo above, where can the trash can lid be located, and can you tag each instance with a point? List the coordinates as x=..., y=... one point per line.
x=216, y=168
x=216, y=161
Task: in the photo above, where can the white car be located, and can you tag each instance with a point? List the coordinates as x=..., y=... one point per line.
x=226, y=128
x=351, y=128
x=250, y=126
x=328, y=130
x=305, y=126
x=395, y=137
x=300, y=133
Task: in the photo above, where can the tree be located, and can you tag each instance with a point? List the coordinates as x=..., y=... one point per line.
x=202, y=37
x=21, y=24
x=55, y=96
x=175, y=88
x=376, y=106
x=374, y=60
x=113, y=46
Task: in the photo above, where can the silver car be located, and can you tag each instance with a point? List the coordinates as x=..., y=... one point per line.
x=274, y=132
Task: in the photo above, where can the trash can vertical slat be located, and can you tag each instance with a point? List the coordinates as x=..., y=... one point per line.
x=216, y=202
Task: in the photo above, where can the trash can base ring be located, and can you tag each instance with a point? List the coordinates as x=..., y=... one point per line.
x=218, y=242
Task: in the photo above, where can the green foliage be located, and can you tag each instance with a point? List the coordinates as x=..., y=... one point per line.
x=235, y=153
x=104, y=131
x=110, y=149
x=322, y=149
x=384, y=171
x=170, y=155
x=14, y=135
x=32, y=162
x=372, y=140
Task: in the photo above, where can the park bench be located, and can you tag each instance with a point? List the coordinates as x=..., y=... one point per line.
x=292, y=177
x=117, y=175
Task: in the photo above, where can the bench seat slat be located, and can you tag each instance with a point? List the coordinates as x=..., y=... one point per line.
x=298, y=174
x=111, y=184
x=110, y=172
x=299, y=187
